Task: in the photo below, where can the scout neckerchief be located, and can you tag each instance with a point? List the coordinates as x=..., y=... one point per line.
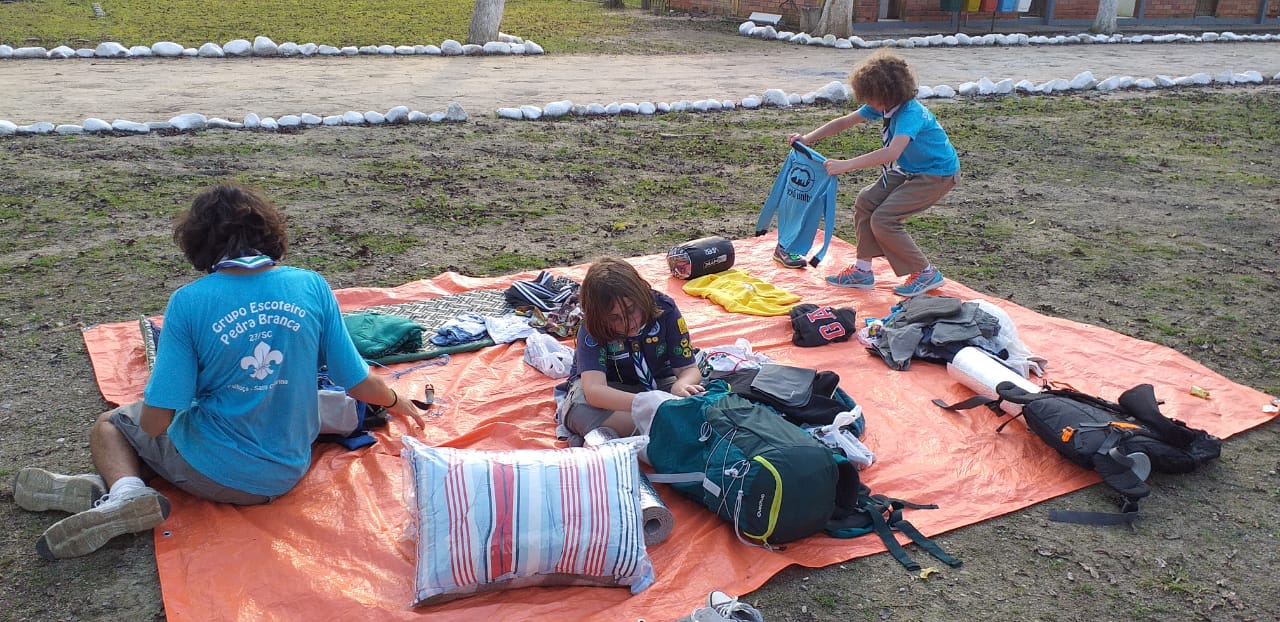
x=637, y=358
x=885, y=137
x=248, y=262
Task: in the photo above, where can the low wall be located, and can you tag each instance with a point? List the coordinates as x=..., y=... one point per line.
x=931, y=11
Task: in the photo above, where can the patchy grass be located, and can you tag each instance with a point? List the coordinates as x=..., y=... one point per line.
x=564, y=27
x=1106, y=227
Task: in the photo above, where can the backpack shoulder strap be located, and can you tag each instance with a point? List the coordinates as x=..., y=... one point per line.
x=1126, y=516
x=1140, y=403
x=1094, y=518
x=973, y=402
x=886, y=516
x=1011, y=392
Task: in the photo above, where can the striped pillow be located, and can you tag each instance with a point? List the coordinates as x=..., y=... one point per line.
x=491, y=520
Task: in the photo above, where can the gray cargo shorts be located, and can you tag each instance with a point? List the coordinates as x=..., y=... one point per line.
x=575, y=417
x=161, y=456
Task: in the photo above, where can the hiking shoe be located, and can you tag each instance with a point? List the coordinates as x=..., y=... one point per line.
x=920, y=283
x=38, y=490
x=137, y=510
x=853, y=277
x=788, y=260
x=722, y=607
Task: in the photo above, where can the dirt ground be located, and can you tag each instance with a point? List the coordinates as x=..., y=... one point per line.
x=715, y=64
x=1153, y=215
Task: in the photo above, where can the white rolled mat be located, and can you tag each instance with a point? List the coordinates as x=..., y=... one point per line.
x=658, y=519
x=977, y=370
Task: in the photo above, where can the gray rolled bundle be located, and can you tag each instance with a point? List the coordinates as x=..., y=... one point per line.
x=658, y=519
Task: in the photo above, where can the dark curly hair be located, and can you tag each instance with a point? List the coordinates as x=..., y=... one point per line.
x=230, y=220
x=612, y=280
x=884, y=78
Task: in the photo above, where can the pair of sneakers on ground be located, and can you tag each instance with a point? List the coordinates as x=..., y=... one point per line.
x=920, y=282
x=96, y=517
x=722, y=607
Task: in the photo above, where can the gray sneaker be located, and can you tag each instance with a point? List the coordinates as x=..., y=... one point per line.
x=789, y=260
x=722, y=607
x=38, y=490
x=137, y=510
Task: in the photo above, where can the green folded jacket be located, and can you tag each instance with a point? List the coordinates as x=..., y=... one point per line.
x=377, y=335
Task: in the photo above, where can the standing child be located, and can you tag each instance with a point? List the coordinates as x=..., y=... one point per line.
x=919, y=167
x=632, y=339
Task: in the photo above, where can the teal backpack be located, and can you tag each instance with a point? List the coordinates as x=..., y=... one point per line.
x=762, y=474
x=768, y=477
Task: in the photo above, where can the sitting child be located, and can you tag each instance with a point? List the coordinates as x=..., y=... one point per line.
x=632, y=339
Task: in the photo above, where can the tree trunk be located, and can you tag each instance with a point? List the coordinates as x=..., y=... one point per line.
x=837, y=19
x=1105, y=22
x=613, y=4
x=486, y=18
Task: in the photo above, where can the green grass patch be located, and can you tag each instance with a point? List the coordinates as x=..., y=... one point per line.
x=389, y=245
x=1162, y=324
x=827, y=601
x=928, y=224
x=508, y=262
x=566, y=27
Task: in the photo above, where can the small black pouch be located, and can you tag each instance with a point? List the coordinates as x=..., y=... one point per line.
x=790, y=386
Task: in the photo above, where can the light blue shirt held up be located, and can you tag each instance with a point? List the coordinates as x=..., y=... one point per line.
x=803, y=196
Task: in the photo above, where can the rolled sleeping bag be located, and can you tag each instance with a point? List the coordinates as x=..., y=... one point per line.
x=657, y=517
x=981, y=372
x=700, y=257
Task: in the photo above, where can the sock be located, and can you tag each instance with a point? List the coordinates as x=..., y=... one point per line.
x=863, y=265
x=125, y=484
x=928, y=270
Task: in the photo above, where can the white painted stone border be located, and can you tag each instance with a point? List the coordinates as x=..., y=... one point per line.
x=837, y=92
x=264, y=46
x=834, y=92
x=769, y=33
x=194, y=121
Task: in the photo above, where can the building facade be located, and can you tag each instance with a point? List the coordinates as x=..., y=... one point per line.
x=1069, y=14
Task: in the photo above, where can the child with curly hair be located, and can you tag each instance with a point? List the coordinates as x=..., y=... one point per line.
x=919, y=166
x=230, y=411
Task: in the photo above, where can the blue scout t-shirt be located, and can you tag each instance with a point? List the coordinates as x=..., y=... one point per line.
x=664, y=344
x=237, y=360
x=930, y=151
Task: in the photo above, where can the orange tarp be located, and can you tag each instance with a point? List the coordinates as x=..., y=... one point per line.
x=334, y=547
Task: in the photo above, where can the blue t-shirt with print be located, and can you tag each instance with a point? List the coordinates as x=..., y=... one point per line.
x=237, y=360
x=930, y=151
x=664, y=344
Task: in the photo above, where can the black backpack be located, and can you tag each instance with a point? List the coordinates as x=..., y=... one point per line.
x=1123, y=441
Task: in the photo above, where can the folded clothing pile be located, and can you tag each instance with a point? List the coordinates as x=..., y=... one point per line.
x=545, y=292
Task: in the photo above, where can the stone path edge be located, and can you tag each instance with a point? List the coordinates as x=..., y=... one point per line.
x=832, y=93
